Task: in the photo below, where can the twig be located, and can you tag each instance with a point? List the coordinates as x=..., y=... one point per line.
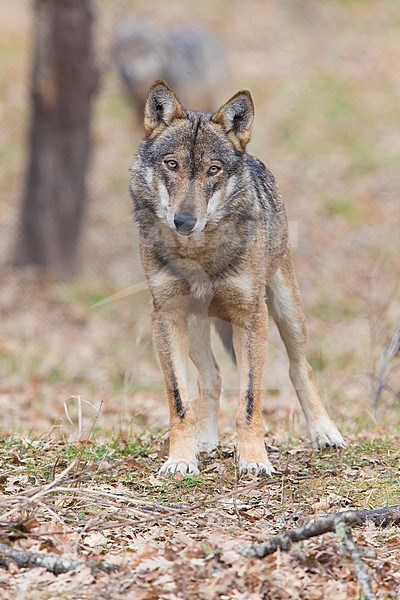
x=343, y=532
x=128, y=291
x=102, y=525
x=284, y=541
x=390, y=352
x=76, y=476
x=53, y=563
x=340, y=524
x=10, y=389
x=381, y=517
x=79, y=401
x=24, y=500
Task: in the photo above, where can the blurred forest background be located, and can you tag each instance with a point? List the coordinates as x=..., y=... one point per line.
x=326, y=86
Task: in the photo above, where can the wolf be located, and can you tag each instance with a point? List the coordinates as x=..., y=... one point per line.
x=192, y=59
x=215, y=250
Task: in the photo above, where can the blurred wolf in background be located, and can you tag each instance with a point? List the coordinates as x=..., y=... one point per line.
x=214, y=246
x=192, y=60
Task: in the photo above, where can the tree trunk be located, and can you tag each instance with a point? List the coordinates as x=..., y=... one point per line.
x=64, y=79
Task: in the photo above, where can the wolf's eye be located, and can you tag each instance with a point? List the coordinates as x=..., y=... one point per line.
x=214, y=169
x=171, y=164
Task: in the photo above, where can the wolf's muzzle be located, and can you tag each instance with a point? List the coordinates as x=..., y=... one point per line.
x=184, y=223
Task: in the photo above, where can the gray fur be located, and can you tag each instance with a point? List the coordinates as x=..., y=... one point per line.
x=229, y=235
x=232, y=262
x=192, y=60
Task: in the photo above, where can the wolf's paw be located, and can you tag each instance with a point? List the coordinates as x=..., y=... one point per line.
x=207, y=436
x=179, y=466
x=206, y=446
x=256, y=468
x=326, y=436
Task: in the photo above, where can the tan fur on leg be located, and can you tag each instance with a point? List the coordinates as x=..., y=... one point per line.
x=172, y=341
x=250, y=341
x=214, y=241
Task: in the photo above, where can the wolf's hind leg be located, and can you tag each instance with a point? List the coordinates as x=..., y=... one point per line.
x=285, y=304
x=172, y=341
x=250, y=342
x=209, y=382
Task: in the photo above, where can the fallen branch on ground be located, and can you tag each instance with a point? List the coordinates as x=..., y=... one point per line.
x=381, y=517
x=343, y=532
x=284, y=541
x=340, y=524
x=50, y=562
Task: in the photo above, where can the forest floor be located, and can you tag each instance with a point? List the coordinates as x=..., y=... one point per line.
x=84, y=414
x=183, y=537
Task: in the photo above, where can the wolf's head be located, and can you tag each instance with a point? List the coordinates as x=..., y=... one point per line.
x=192, y=162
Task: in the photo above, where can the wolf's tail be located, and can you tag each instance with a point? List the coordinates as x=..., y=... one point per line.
x=225, y=332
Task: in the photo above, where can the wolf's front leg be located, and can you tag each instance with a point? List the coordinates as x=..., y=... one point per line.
x=250, y=342
x=172, y=341
x=209, y=382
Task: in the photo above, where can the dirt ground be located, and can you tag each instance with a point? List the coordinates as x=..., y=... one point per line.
x=81, y=389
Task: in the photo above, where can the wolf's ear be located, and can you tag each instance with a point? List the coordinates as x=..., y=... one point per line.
x=236, y=117
x=162, y=107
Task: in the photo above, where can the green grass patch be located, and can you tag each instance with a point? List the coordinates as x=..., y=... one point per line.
x=330, y=311
x=114, y=105
x=345, y=207
x=365, y=473
x=19, y=364
x=366, y=157
x=86, y=294
x=318, y=361
x=334, y=100
x=116, y=183
x=355, y=2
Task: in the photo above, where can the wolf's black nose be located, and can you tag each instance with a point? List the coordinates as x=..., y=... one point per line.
x=184, y=222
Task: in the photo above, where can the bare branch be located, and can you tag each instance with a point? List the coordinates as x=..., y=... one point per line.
x=381, y=517
x=284, y=541
x=340, y=524
x=41, y=492
x=53, y=563
x=390, y=352
x=343, y=532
